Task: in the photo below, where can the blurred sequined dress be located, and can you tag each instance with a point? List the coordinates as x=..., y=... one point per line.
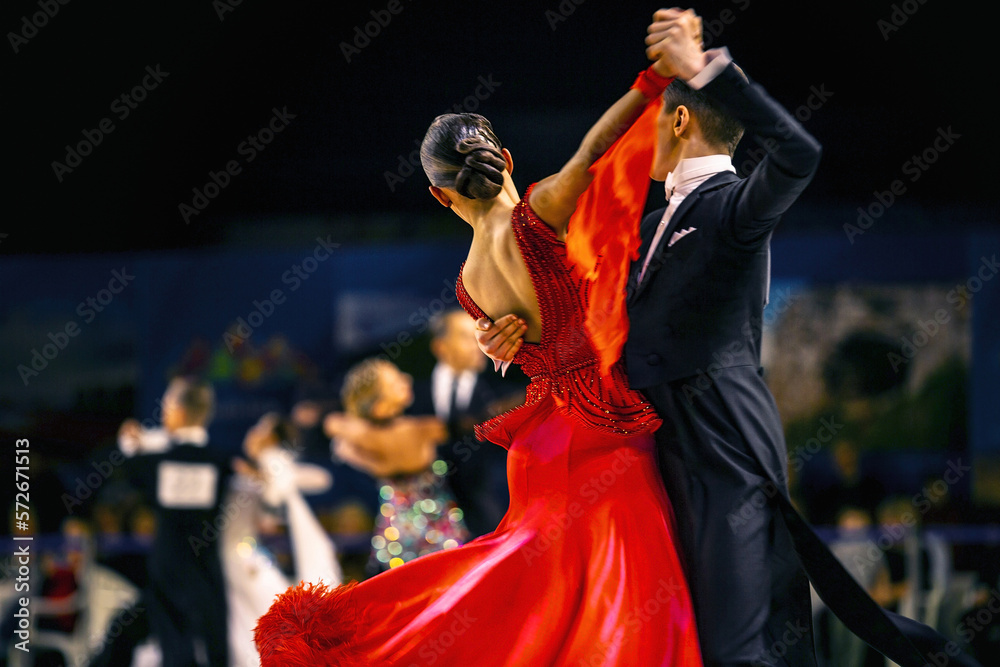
x=417, y=515
x=582, y=570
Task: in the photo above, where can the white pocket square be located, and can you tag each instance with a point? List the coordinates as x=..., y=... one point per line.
x=677, y=236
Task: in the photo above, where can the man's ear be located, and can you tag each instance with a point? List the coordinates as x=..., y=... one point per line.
x=509, y=160
x=682, y=120
x=440, y=195
x=438, y=347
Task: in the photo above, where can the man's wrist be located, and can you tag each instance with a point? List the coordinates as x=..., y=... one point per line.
x=691, y=67
x=712, y=63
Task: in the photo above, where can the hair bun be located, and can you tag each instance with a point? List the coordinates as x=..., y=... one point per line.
x=482, y=175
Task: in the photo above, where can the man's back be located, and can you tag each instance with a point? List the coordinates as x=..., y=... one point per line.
x=185, y=486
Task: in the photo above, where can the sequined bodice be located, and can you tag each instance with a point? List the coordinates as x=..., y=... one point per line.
x=563, y=364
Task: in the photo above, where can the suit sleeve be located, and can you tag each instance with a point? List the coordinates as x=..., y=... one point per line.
x=787, y=168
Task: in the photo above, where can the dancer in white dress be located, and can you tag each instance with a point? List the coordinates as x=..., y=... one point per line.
x=270, y=481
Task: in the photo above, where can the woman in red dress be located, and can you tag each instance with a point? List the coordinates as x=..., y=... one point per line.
x=582, y=570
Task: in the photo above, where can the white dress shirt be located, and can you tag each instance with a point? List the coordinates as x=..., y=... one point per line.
x=442, y=378
x=191, y=435
x=158, y=440
x=682, y=181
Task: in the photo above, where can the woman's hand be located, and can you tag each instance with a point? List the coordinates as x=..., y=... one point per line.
x=501, y=340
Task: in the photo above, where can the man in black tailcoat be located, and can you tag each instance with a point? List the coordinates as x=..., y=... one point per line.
x=695, y=301
x=185, y=480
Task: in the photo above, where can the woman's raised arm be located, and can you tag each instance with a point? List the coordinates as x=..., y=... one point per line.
x=554, y=198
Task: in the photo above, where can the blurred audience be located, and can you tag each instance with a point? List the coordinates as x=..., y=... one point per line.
x=855, y=548
x=919, y=561
x=919, y=549
x=847, y=484
x=420, y=481
x=352, y=522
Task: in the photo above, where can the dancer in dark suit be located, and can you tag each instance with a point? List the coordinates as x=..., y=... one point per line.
x=696, y=299
x=695, y=302
x=186, y=484
x=461, y=395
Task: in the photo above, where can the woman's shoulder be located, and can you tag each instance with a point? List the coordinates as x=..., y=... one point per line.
x=525, y=217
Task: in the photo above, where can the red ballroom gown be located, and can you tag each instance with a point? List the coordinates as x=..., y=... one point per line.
x=581, y=571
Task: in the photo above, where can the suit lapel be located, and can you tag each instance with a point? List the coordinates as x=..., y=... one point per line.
x=662, y=251
x=646, y=232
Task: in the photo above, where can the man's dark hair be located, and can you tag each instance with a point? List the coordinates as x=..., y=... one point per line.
x=195, y=396
x=717, y=125
x=440, y=323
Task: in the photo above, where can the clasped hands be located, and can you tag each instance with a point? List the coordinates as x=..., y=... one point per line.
x=674, y=43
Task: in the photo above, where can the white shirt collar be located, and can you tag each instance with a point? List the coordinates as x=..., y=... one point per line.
x=191, y=435
x=441, y=379
x=693, y=171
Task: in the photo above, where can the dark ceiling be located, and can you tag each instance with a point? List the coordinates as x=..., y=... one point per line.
x=884, y=82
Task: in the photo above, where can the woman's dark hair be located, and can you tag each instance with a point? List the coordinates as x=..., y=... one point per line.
x=461, y=152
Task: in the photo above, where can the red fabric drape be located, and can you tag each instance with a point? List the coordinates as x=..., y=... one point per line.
x=603, y=236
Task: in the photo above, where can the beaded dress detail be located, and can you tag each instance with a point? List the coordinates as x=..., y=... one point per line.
x=582, y=570
x=418, y=515
x=563, y=364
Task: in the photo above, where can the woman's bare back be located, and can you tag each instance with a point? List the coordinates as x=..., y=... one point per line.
x=496, y=277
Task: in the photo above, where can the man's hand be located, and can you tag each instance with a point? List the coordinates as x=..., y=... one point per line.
x=674, y=43
x=130, y=437
x=500, y=340
x=306, y=414
x=131, y=429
